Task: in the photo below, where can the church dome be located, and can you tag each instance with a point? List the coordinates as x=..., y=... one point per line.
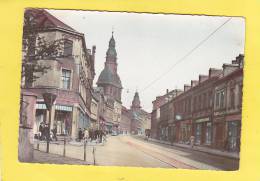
x=107, y=77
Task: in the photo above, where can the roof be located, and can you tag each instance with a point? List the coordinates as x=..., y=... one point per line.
x=108, y=77
x=46, y=20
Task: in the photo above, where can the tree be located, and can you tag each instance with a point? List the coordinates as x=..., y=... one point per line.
x=36, y=48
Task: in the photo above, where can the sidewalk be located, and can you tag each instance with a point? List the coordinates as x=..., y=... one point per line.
x=42, y=157
x=233, y=155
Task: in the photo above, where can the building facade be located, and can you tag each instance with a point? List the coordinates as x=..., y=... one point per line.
x=140, y=119
x=228, y=106
x=156, y=120
x=125, y=123
x=70, y=77
x=209, y=109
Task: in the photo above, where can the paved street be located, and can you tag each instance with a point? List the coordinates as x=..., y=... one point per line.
x=130, y=151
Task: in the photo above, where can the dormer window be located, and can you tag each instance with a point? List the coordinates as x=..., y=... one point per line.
x=68, y=46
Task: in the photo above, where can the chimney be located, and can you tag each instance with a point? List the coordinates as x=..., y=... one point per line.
x=202, y=78
x=186, y=87
x=167, y=91
x=229, y=68
x=194, y=83
x=214, y=72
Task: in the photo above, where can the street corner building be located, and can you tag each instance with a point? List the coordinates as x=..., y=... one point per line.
x=209, y=110
x=55, y=60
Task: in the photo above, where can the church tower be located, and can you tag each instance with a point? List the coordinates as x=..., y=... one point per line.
x=136, y=104
x=109, y=80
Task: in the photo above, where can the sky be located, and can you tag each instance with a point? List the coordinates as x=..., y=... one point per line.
x=149, y=45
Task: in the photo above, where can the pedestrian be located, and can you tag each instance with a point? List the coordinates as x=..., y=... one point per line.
x=41, y=128
x=86, y=134
x=192, y=139
x=80, y=135
x=54, y=131
x=100, y=136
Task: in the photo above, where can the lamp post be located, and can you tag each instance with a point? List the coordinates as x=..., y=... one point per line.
x=49, y=97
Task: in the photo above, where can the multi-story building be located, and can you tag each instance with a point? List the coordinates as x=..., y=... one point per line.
x=140, y=119
x=209, y=109
x=182, y=125
x=202, y=104
x=70, y=76
x=125, y=123
x=228, y=105
x=156, y=122
x=94, y=112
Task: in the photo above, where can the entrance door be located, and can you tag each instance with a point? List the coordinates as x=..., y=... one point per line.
x=233, y=136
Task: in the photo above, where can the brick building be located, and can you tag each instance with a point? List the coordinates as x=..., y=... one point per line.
x=156, y=114
x=125, y=123
x=228, y=106
x=209, y=109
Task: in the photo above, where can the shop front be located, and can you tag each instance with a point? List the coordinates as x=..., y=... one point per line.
x=185, y=131
x=233, y=132
x=203, y=131
x=63, y=119
x=163, y=131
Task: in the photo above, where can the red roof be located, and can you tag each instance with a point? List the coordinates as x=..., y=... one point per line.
x=46, y=20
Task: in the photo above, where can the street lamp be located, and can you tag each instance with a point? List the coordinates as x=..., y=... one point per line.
x=49, y=97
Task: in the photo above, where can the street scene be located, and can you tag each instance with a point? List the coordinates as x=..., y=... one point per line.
x=130, y=89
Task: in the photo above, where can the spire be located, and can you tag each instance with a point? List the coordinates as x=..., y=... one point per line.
x=111, y=52
x=136, y=104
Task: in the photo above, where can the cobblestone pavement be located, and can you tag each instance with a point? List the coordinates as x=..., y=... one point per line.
x=42, y=157
x=133, y=152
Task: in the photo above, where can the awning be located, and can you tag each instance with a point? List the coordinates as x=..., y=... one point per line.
x=63, y=108
x=57, y=107
x=40, y=106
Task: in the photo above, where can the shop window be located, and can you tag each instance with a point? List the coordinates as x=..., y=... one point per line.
x=66, y=78
x=208, y=133
x=233, y=136
x=198, y=134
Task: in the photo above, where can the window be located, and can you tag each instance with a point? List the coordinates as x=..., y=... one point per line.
x=232, y=98
x=220, y=99
x=208, y=133
x=204, y=100
x=240, y=94
x=195, y=104
x=68, y=48
x=66, y=78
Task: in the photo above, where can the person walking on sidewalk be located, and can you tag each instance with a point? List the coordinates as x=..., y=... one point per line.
x=54, y=131
x=192, y=140
x=80, y=135
x=86, y=134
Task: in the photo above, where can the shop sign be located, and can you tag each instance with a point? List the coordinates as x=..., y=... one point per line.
x=235, y=117
x=202, y=120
